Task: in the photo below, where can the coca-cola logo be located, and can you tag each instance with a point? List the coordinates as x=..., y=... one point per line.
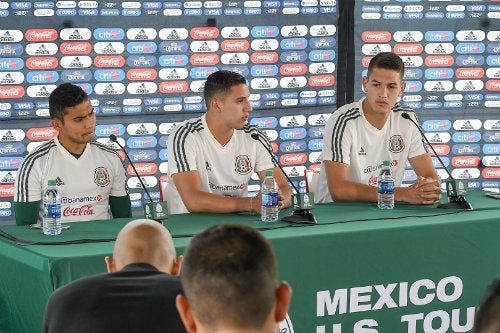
x=40, y=35
x=293, y=159
x=493, y=84
x=42, y=63
x=264, y=57
x=408, y=48
x=376, y=36
x=469, y=73
x=84, y=210
x=433, y=61
x=293, y=69
x=173, y=87
x=44, y=133
x=204, y=33
x=109, y=61
x=465, y=161
x=491, y=173
x=6, y=191
x=141, y=74
x=239, y=45
x=143, y=169
x=11, y=92
x=204, y=59
x=76, y=48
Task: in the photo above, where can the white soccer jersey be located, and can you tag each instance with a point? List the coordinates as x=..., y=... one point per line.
x=222, y=170
x=349, y=138
x=84, y=184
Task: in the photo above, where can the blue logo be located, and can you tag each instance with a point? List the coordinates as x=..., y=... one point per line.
x=468, y=48
x=66, y=12
x=293, y=133
x=293, y=43
x=5, y=212
x=193, y=12
x=178, y=60
x=414, y=105
x=76, y=75
x=327, y=100
x=141, y=47
x=316, y=144
x=264, y=123
x=322, y=42
x=264, y=70
x=136, y=203
x=172, y=5
x=255, y=104
x=109, y=34
x=414, y=16
x=469, y=60
x=267, y=31
x=131, y=12
x=290, y=3
x=309, y=10
x=199, y=73
x=270, y=96
x=293, y=56
x=491, y=184
x=193, y=107
x=466, y=136
x=490, y=136
x=143, y=155
x=173, y=47
x=466, y=149
x=392, y=16
x=253, y=11
x=213, y=12
x=152, y=101
x=141, y=61
x=107, y=130
x=109, y=75
x=436, y=125
x=163, y=155
x=293, y=146
x=439, y=36
x=316, y=132
x=476, y=8
x=132, y=109
x=11, y=50
x=4, y=13
x=434, y=15
x=473, y=185
x=11, y=148
x=455, y=15
x=439, y=73
x=322, y=55
x=328, y=10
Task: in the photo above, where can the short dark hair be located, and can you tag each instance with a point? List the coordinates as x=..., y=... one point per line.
x=487, y=319
x=221, y=82
x=230, y=276
x=387, y=60
x=64, y=96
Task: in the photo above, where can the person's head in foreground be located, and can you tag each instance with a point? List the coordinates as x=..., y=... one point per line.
x=230, y=281
x=487, y=318
x=145, y=241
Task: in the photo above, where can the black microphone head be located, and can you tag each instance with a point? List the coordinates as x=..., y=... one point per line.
x=405, y=115
x=112, y=137
x=255, y=136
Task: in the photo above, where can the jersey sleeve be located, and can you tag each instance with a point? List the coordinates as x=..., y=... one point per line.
x=119, y=187
x=182, y=150
x=337, y=141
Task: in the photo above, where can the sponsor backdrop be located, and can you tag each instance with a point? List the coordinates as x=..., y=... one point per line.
x=143, y=64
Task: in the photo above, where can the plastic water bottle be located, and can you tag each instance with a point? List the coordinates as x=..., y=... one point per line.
x=269, y=211
x=386, y=187
x=51, y=223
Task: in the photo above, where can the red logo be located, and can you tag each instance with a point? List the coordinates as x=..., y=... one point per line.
x=439, y=61
x=237, y=45
x=264, y=57
x=42, y=133
x=142, y=74
x=78, y=211
x=493, y=85
x=11, y=91
x=204, y=33
x=440, y=150
x=376, y=36
x=6, y=191
x=109, y=61
x=293, y=159
x=204, y=59
x=469, y=73
x=293, y=69
x=465, y=161
x=408, y=49
x=315, y=167
x=491, y=172
x=38, y=63
x=143, y=169
x=173, y=87
x=40, y=35
x=76, y=48
x=321, y=80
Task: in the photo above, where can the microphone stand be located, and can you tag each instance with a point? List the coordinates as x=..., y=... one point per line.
x=299, y=215
x=454, y=201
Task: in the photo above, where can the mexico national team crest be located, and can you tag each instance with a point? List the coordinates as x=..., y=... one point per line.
x=101, y=176
x=242, y=164
x=396, y=144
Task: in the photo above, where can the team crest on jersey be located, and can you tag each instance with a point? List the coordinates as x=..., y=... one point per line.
x=101, y=176
x=396, y=144
x=242, y=164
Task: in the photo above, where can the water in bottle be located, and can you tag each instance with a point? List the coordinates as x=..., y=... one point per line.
x=269, y=211
x=51, y=223
x=386, y=187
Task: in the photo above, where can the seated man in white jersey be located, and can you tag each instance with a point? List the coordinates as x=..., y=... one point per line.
x=211, y=158
x=90, y=177
x=360, y=136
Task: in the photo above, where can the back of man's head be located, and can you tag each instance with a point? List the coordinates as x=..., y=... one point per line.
x=144, y=241
x=487, y=318
x=230, y=279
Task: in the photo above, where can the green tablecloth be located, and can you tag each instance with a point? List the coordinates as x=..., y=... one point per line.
x=411, y=269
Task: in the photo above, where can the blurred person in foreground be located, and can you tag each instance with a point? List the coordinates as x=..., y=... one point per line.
x=90, y=176
x=487, y=319
x=360, y=136
x=211, y=158
x=230, y=283
x=136, y=295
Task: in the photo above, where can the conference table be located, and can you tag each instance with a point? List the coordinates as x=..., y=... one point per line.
x=359, y=269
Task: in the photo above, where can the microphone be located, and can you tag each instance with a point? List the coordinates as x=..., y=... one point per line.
x=301, y=202
x=455, y=200
x=152, y=210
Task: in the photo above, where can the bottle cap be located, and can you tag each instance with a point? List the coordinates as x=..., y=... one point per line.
x=387, y=163
x=51, y=182
x=269, y=173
